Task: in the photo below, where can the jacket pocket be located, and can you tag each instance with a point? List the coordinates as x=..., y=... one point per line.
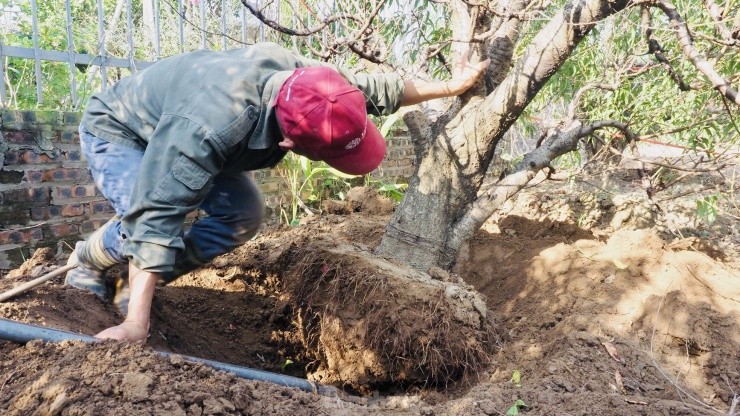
x=185, y=184
x=237, y=130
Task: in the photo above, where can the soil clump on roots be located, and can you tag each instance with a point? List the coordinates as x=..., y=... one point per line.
x=587, y=322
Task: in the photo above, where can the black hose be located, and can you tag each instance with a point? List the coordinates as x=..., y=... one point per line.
x=22, y=333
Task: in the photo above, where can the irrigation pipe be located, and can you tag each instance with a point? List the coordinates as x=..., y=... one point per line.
x=22, y=333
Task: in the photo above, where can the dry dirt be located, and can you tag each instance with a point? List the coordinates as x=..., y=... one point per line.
x=608, y=320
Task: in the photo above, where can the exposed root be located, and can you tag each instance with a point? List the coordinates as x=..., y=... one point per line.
x=370, y=322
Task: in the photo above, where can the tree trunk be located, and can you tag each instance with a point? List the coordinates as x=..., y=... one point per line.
x=455, y=157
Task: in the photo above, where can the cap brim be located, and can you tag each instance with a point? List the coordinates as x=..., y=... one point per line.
x=364, y=158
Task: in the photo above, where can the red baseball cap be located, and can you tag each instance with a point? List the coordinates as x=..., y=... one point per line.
x=325, y=116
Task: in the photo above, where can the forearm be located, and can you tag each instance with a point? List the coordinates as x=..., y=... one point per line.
x=136, y=325
x=463, y=76
x=417, y=91
x=141, y=285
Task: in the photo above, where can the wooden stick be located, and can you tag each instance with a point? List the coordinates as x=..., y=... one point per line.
x=35, y=282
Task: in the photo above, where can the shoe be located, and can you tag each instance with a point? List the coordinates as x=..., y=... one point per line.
x=123, y=293
x=85, y=277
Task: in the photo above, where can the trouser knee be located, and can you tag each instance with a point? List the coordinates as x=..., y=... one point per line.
x=248, y=224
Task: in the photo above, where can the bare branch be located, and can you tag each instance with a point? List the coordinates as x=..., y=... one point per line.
x=656, y=49
x=256, y=12
x=562, y=141
x=358, y=43
x=687, y=46
x=573, y=106
x=716, y=14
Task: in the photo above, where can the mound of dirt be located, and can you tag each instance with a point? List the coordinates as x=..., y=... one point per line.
x=591, y=322
x=365, y=322
x=113, y=378
x=360, y=199
x=370, y=322
x=41, y=262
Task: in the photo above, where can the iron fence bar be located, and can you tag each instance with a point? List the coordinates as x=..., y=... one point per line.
x=262, y=27
x=79, y=58
x=224, y=6
x=36, y=60
x=203, y=23
x=180, y=13
x=243, y=18
x=129, y=36
x=277, y=14
x=71, y=51
x=101, y=47
x=3, y=93
x=295, y=24
x=157, y=30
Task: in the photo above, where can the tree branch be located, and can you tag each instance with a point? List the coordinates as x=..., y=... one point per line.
x=687, y=46
x=656, y=49
x=716, y=14
x=573, y=106
x=256, y=12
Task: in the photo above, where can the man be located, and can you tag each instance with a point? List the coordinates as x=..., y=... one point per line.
x=181, y=134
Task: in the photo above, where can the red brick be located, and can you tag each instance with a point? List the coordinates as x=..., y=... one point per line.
x=73, y=155
x=20, y=236
x=72, y=210
x=45, y=213
x=36, y=196
x=20, y=137
x=58, y=175
x=91, y=225
x=12, y=177
x=64, y=229
x=98, y=207
x=74, y=191
x=13, y=215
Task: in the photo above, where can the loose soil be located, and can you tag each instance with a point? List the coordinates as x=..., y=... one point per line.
x=570, y=312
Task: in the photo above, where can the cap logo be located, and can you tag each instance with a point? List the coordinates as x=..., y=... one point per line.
x=355, y=142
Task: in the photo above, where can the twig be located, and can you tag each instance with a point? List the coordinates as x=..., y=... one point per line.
x=7, y=380
x=710, y=289
x=659, y=368
x=689, y=50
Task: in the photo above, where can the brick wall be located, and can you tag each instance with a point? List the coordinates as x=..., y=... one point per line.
x=47, y=198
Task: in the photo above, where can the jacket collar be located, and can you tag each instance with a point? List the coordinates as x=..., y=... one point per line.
x=267, y=133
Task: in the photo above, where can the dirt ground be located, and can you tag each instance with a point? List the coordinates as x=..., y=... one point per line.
x=592, y=316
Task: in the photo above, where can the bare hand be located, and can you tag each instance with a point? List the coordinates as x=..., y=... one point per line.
x=464, y=73
x=127, y=331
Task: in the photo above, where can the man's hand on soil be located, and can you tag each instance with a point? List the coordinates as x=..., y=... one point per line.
x=127, y=331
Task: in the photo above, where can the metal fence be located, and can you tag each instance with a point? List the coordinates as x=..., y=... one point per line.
x=130, y=35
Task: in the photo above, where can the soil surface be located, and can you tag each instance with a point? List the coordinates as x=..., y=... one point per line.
x=582, y=315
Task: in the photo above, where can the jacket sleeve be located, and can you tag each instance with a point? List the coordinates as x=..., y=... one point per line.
x=383, y=92
x=175, y=176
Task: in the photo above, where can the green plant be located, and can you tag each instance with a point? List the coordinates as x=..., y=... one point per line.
x=516, y=378
x=302, y=175
x=393, y=190
x=514, y=409
x=285, y=365
x=707, y=209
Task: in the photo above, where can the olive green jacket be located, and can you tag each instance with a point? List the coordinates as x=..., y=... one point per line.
x=195, y=116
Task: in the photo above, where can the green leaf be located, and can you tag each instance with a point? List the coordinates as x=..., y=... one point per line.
x=514, y=409
x=286, y=364
x=340, y=174
x=516, y=378
x=388, y=123
x=707, y=209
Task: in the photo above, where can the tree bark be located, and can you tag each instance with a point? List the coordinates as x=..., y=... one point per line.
x=453, y=165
